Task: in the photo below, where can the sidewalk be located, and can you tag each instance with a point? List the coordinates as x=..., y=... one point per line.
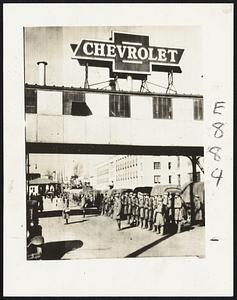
x=97, y=237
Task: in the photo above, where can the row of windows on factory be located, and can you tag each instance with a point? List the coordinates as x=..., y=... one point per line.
x=125, y=164
x=157, y=179
x=157, y=164
x=119, y=105
x=126, y=176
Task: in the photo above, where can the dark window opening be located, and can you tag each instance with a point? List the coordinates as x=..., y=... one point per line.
x=119, y=106
x=157, y=179
x=169, y=165
x=162, y=108
x=170, y=179
x=179, y=179
x=156, y=165
x=31, y=101
x=198, y=109
x=74, y=103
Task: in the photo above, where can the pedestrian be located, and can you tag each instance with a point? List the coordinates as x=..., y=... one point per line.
x=83, y=205
x=198, y=210
x=111, y=206
x=166, y=210
x=159, y=217
x=137, y=210
x=117, y=210
x=133, y=205
x=169, y=215
x=125, y=205
x=150, y=213
x=141, y=210
x=129, y=210
x=146, y=212
x=178, y=211
x=66, y=211
x=154, y=214
x=103, y=204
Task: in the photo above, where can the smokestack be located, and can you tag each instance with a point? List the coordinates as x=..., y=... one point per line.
x=42, y=72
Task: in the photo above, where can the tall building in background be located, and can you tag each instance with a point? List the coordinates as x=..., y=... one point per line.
x=130, y=171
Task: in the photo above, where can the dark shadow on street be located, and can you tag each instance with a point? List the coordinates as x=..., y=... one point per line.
x=79, y=221
x=73, y=212
x=127, y=227
x=56, y=250
x=92, y=216
x=145, y=248
x=187, y=228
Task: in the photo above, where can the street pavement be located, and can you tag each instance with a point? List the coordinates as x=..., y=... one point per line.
x=97, y=236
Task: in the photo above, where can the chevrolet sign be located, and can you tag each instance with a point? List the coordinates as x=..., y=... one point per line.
x=128, y=54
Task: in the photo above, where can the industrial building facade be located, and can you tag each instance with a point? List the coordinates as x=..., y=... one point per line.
x=70, y=115
x=130, y=171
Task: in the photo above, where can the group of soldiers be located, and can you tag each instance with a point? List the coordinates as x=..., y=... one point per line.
x=159, y=214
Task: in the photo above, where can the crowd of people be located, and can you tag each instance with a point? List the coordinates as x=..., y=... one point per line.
x=160, y=214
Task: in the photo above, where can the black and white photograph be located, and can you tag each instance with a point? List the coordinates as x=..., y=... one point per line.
x=111, y=142
x=118, y=126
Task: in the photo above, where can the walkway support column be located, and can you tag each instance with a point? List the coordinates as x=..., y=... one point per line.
x=194, y=160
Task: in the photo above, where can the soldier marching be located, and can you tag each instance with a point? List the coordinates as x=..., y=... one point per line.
x=161, y=214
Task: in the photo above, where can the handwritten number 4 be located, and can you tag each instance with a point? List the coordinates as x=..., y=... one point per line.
x=217, y=174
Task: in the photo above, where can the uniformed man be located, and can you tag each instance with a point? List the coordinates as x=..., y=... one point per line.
x=178, y=215
x=133, y=204
x=66, y=211
x=129, y=203
x=154, y=214
x=146, y=212
x=141, y=211
x=159, y=218
x=84, y=203
x=125, y=205
x=117, y=210
x=137, y=209
x=198, y=210
x=111, y=206
x=150, y=213
x=166, y=205
x=103, y=203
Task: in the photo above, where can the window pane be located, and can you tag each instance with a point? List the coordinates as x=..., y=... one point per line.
x=154, y=107
x=157, y=165
x=31, y=101
x=198, y=109
x=162, y=108
x=119, y=106
x=170, y=113
x=195, y=110
x=70, y=97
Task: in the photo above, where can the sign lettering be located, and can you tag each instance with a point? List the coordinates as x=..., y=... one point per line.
x=128, y=53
